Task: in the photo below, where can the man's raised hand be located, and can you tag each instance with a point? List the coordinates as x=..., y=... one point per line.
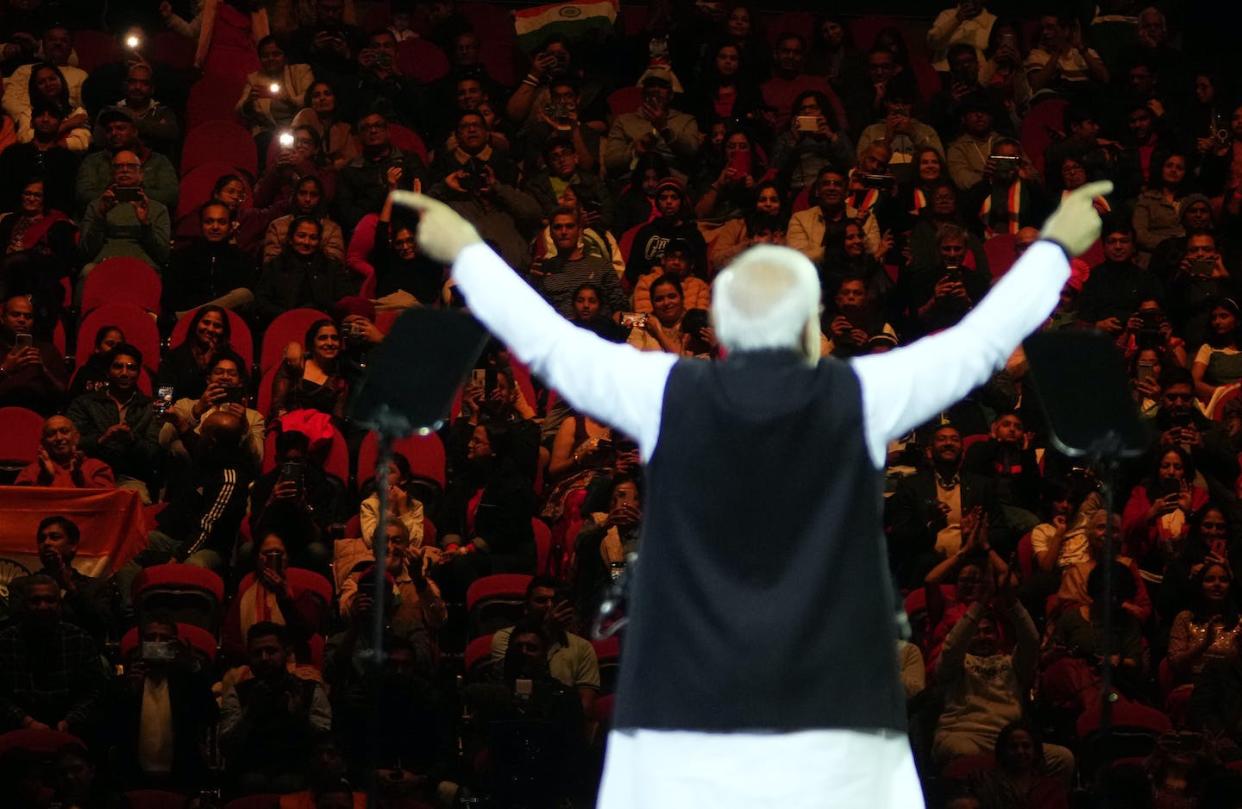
x=442, y=232
x=1075, y=224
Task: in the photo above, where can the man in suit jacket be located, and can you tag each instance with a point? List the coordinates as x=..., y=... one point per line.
x=925, y=513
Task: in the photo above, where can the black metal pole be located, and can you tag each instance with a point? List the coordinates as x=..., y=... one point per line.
x=375, y=660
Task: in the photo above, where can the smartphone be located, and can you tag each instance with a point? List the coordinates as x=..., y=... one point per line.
x=24, y=341
x=807, y=123
x=1202, y=267
x=276, y=560
x=286, y=140
x=1146, y=370
x=127, y=194
x=234, y=394
x=479, y=377
x=1006, y=158
x=633, y=320
x=273, y=89
x=163, y=399
x=740, y=162
x=1169, y=486
x=159, y=651
x=294, y=471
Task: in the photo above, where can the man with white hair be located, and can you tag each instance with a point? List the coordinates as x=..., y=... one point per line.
x=758, y=667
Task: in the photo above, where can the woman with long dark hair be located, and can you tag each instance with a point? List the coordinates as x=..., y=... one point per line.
x=728, y=89
x=47, y=87
x=833, y=54
x=1219, y=360
x=1157, y=517
x=726, y=176
x=1020, y=779
x=1156, y=212
x=800, y=153
x=185, y=367
x=310, y=378
x=307, y=200
x=336, y=135
x=301, y=275
x=763, y=222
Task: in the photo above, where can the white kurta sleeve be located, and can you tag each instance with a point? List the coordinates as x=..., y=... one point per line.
x=614, y=383
x=904, y=388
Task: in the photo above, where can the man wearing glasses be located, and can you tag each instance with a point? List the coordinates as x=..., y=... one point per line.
x=124, y=221
x=364, y=184
x=116, y=128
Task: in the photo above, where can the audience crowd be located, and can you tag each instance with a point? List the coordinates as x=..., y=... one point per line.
x=200, y=255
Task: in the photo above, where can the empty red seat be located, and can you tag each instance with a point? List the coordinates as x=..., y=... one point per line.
x=625, y=99
x=422, y=60
x=207, y=142
x=543, y=544
x=95, y=48
x=19, y=440
x=425, y=454
x=192, y=594
x=213, y=99
x=494, y=602
x=43, y=743
x=122, y=280
x=478, y=656
x=407, y=140
x=1000, y=252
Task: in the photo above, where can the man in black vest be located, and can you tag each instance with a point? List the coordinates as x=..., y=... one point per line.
x=761, y=468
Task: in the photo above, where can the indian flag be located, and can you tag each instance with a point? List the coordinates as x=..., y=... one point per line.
x=574, y=20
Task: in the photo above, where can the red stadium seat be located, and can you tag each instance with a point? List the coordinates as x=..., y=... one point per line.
x=202, y=642
x=608, y=653
x=138, y=325
x=478, y=656
x=407, y=140
x=288, y=327
x=302, y=579
x=255, y=802
x=19, y=440
x=422, y=60
x=196, y=186
x=263, y=402
x=95, y=48
x=170, y=49
x=1026, y=557
x=626, y=99
x=42, y=743
x=1000, y=252
x=601, y=711
x=240, y=339
x=963, y=767
x=969, y=441
x=790, y=22
x=543, y=544
x=122, y=280
x=425, y=454
x=155, y=799
x=494, y=602
x=59, y=339
x=213, y=99
x=1094, y=254
x=494, y=25
x=1041, y=126
x=192, y=594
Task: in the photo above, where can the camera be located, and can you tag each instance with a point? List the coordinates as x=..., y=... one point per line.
x=163, y=400
x=24, y=340
x=807, y=123
x=159, y=651
x=878, y=181
x=633, y=320
x=127, y=194
x=473, y=179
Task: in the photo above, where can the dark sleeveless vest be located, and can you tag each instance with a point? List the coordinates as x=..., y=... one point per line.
x=761, y=599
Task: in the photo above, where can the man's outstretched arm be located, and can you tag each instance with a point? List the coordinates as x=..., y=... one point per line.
x=904, y=388
x=614, y=383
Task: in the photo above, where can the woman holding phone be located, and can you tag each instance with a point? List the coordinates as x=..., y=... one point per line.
x=1157, y=517
x=272, y=94
x=185, y=367
x=728, y=175
x=267, y=594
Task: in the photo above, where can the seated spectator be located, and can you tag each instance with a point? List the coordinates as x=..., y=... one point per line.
x=155, y=174
x=162, y=710
x=941, y=205
x=667, y=327
x=808, y=230
x=87, y=602
x=588, y=314
x=41, y=250
x=295, y=161
x=874, y=191
x=853, y=320
x=270, y=595
x=1061, y=63
x=565, y=119
x=1210, y=629
x=582, y=451
x=307, y=200
x=402, y=505
x=53, y=677
x=1071, y=677
x=118, y=424
x=301, y=276
x=800, y=152
x=939, y=295
x=248, y=223
x=984, y=686
x=418, y=612
x=56, y=48
x=563, y=167
x=365, y=181
x=679, y=261
x=968, y=153
x=32, y=373
x=727, y=88
x=61, y=464
x=399, y=265
x=789, y=81
x=1073, y=591
x=1020, y=779
x=309, y=377
x=187, y=366
x=603, y=547
x=558, y=277
x=848, y=258
x=1115, y=287
x=1181, y=423
x=298, y=494
x=553, y=61
x=157, y=124
x=901, y=132
x=378, y=81
x=925, y=512
x=1157, y=517
x=208, y=271
x=267, y=723
x=1194, y=270
x=1210, y=541
x=676, y=219
x=92, y=375
x=325, y=40
x=654, y=128
x=124, y=221
x=1157, y=210
x=228, y=383
x=336, y=136
x=47, y=88
x=763, y=222
x=571, y=659
x=273, y=94
x=1010, y=196
x=42, y=157
x=1010, y=462
x=1217, y=365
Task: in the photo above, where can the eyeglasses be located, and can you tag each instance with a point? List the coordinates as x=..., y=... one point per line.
x=371, y=127
x=127, y=166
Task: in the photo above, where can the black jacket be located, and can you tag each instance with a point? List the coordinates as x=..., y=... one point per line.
x=201, y=272
x=193, y=712
x=290, y=281
x=913, y=521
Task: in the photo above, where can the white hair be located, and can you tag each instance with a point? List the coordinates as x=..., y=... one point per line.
x=768, y=298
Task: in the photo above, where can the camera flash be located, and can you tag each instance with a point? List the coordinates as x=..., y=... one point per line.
x=274, y=87
x=286, y=139
x=132, y=41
